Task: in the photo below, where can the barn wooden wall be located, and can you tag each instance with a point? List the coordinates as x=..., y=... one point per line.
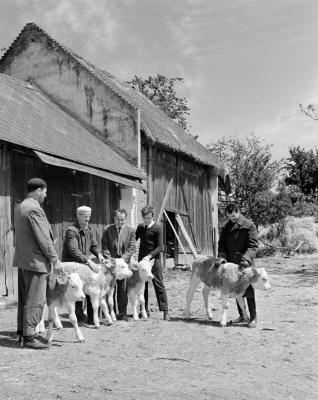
x=66, y=191
x=194, y=181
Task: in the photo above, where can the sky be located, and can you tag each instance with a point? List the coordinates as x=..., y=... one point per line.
x=246, y=64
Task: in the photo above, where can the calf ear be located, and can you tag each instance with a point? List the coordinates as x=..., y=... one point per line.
x=255, y=274
x=134, y=265
x=55, y=280
x=62, y=279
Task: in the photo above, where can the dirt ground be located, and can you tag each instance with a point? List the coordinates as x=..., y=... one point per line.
x=194, y=359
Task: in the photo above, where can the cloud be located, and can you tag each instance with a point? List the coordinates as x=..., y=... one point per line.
x=90, y=23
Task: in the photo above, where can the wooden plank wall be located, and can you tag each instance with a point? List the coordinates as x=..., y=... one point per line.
x=7, y=275
x=195, y=181
x=66, y=191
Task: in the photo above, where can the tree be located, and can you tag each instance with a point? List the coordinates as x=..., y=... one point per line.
x=302, y=167
x=253, y=176
x=161, y=91
x=310, y=111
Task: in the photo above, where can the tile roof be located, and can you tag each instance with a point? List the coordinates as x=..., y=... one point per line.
x=29, y=119
x=158, y=127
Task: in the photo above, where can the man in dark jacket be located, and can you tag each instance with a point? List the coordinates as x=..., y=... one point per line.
x=151, y=245
x=34, y=255
x=79, y=243
x=238, y=244
x=119, y=241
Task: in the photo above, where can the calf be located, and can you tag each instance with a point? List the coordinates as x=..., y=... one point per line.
x=98, y=285
x=229, y=278
x=141, y=272
x=63, y=291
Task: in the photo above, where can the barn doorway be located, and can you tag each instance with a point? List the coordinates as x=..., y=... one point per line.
x=170, y=240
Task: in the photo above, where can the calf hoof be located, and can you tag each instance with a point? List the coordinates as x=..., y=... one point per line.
x=186, y=315
x=113, y=317
x=97, y=326
x=223, y=324
x=209, y=315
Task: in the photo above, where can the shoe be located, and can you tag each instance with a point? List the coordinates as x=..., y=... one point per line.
x=35, y=344
x=125, y=318
x=41, y=339
x=238, y=320
x=252, y=323
x=166, y=316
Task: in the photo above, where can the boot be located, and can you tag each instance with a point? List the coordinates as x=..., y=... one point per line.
x=166, y=315
x=252, y=309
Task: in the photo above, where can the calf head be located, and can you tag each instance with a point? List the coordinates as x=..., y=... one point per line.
x=258, y=278
x=74, y=291
x=144, y=268
x=67, y=286
x=121, y=270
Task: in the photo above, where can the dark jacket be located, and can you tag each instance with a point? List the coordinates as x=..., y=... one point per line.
x=79, y=244
x=150, y=241
x=127, y=242
x=238, y=241
x=34, y=246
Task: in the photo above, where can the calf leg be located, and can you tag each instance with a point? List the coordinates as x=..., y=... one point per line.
x=142, y=301
x=225, y=306
x=57, y=321
x=40, y=328
x=134, y=302
x=242, y=305
x=73, y=319
x=104, y=309
x=110, y=296
x=95, y=304
x=194, y=282
x=51, y=317
x=206, y=298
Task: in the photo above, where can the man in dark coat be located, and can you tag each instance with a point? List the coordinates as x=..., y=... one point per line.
x=119, y=241
x=79, y=243
x=151, y=245
x=238, y=244
x=34, y=255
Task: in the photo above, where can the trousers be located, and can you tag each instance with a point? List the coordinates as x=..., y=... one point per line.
x=250, y=298
x=79, y=312
x=159, y=287
x=31, y=301
x=120, y=293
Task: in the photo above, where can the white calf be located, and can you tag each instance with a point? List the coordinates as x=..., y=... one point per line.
x=136, y=286
x=98, y=285
x=63, y=291
x=229, y=278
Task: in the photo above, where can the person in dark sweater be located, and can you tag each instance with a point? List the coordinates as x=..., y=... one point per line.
x=151, y=245
x=79, y=243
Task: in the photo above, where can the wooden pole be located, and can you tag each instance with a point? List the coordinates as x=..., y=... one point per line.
x=186, y=236
x=138, y=140
x=176, y=234
x=165, y=199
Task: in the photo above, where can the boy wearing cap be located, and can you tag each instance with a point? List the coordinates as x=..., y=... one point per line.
x=79, y=243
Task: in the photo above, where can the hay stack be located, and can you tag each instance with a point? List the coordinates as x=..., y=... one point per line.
x=299, y=229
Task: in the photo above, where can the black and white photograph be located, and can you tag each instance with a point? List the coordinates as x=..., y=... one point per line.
x=158, y=199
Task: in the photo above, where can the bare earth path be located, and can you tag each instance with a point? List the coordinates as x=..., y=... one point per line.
x=180, y=359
